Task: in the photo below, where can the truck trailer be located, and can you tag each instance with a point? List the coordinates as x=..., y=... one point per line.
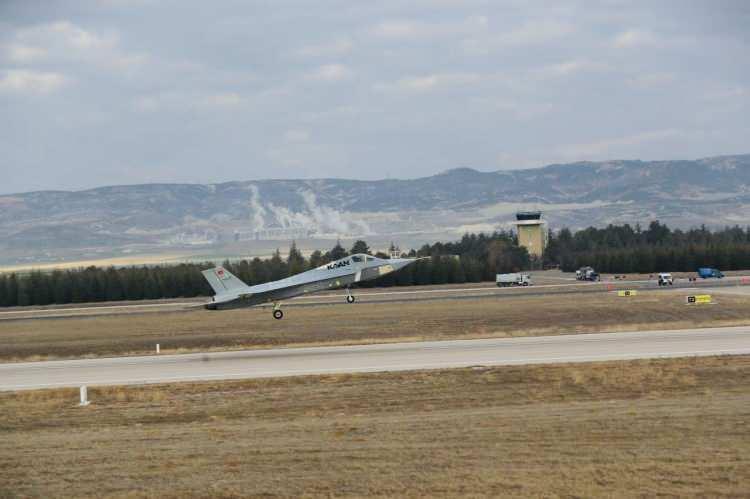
x=504, y=280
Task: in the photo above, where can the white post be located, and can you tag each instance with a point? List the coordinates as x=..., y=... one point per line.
x=84, y=396
x=157, y=348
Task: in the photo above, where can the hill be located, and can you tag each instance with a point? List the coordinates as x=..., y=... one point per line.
x=713, y=191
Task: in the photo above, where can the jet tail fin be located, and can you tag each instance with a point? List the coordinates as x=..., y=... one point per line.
x=222, y=281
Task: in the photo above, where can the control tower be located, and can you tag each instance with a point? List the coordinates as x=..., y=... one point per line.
x=532, y=234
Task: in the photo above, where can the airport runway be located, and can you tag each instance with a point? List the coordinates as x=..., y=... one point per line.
x=374, y=358
x=547, y=286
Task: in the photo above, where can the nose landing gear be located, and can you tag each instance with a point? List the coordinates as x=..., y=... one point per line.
x=349, y=296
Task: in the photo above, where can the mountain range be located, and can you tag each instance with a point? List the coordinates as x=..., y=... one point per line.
x=713, y=191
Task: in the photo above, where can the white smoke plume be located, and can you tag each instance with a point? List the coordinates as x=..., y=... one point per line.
x=257, y=209
x=314, y=217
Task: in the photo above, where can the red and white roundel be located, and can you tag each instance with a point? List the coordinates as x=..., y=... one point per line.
x=221, y=274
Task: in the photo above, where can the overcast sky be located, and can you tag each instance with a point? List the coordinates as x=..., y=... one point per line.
x=103, y=92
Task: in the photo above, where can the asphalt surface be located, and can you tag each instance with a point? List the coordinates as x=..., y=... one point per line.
x=545, y=286
x=374, y=358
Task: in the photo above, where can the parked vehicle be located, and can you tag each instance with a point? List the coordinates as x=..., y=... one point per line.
x=665, y=279
x=587, y=274
x=503, y=280
x=708, y=273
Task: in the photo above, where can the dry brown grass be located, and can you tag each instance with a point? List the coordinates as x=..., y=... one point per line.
x=677, y=427
x=203, y=330
x=118, y=261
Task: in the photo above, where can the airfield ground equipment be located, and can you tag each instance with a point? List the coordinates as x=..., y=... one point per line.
x=587, y=274
x=665, y=279
x=504, y=280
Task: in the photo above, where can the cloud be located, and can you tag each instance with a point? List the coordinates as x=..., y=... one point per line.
x=125, y=3
x=181, y=101
x=65, y=41
x=606, y=146
x=331, y=73
x=651, y=80
x=567, y=68
x=635, y=38
x=337, y=47
x=397, y=29
x=18, y=52
x=429, y=82
x=537, y=31
x=364, y=85
x=296, y=135
x=34, y=82
x=517, y=109
x=284, y=157
x=731, y=93
x=530, y=33
x=66, y=34
x=223, y=100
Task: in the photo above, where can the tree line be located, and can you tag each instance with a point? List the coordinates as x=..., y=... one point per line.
x=631, y=249
x=473, y=258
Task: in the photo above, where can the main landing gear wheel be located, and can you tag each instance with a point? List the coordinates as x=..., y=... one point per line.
x=349, y=299
x=278, y=314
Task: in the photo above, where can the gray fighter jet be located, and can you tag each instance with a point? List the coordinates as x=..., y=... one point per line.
x=231, y=292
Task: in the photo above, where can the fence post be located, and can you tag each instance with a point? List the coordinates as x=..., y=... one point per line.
x=84, y=396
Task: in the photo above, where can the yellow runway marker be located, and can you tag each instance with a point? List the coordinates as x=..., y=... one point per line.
x=698, y=300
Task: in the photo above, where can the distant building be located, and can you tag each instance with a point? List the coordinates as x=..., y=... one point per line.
x=532, y=233
x=395, y=251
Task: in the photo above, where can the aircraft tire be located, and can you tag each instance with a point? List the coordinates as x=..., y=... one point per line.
x=350, y=299
x=278, y=314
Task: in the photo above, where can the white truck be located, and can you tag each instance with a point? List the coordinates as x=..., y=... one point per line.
x=587, y=274
x=665, y=279
x=503, y=280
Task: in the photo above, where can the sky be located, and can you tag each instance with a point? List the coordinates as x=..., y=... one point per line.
x=109, y=92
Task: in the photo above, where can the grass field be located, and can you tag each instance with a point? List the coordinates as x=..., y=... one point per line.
x=115, y=261
x=202, y=330
x=621, y=429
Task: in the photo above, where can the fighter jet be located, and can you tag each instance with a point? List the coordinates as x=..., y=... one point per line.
x=231, y=292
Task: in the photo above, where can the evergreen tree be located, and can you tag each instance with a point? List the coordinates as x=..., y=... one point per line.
x=316, y=259
x=22, y=290
x=359, y=247
x=4, y=301
x=295, y=261
x=277, y=267
x=337, y=252
x=12, y=292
